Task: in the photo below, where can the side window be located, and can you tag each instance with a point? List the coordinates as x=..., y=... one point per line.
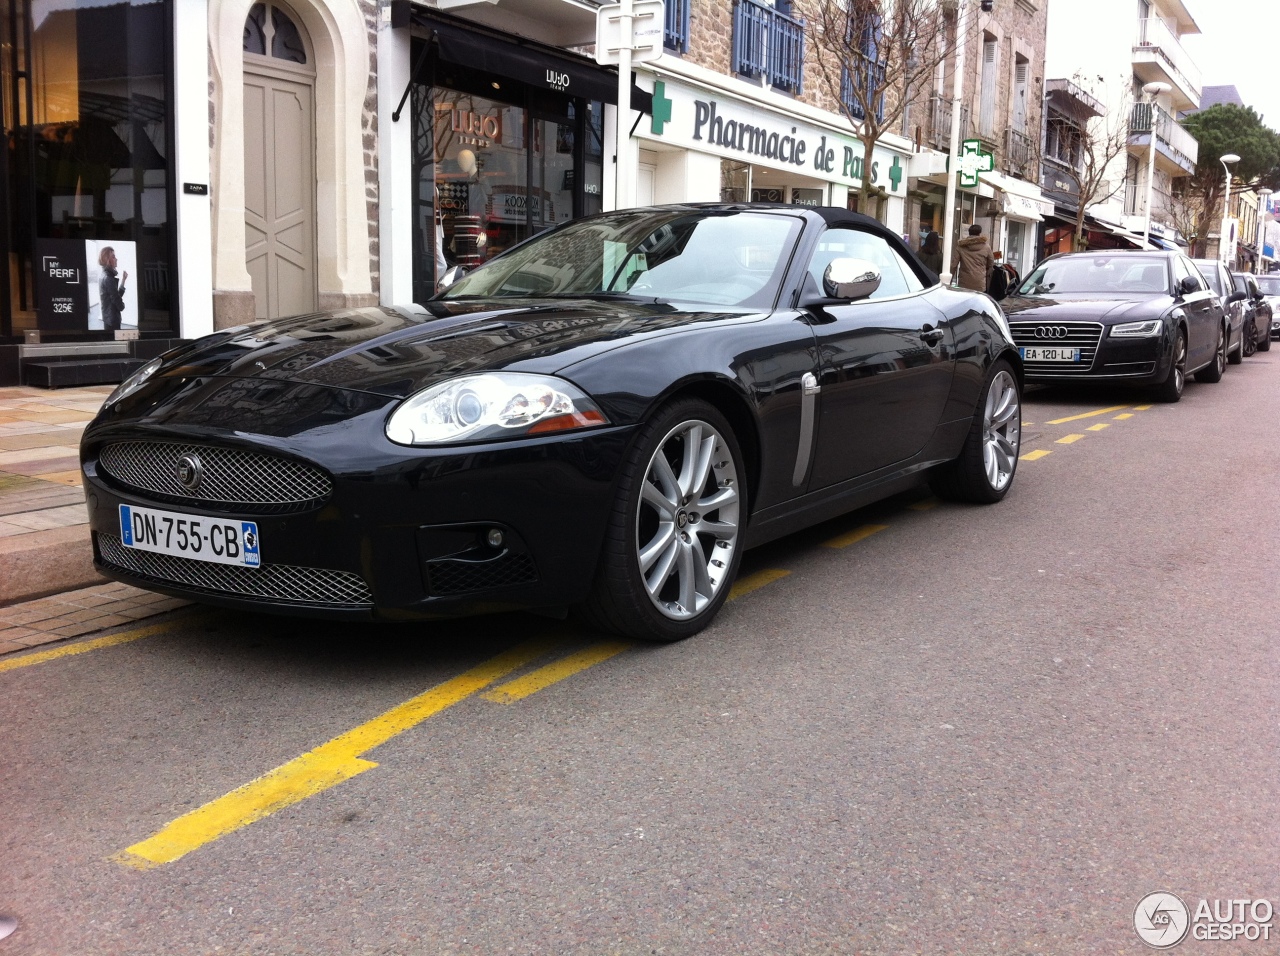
x=1183, y=267
x=896, y=277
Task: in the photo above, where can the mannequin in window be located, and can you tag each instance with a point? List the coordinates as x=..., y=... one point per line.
x=111, y=290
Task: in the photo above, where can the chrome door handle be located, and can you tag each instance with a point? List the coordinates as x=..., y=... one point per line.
x=931, y=335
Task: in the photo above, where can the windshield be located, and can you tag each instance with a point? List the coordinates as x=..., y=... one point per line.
x=733, y=259
x=1270, y=285
x=1211, y=275
x=1076, y=274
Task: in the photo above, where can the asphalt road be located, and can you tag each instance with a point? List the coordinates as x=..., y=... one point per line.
x=929, y=728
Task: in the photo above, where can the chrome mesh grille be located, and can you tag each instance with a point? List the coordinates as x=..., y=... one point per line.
x=229, y=476
x=274, y=582
x=452, y=576
x=1084, y=336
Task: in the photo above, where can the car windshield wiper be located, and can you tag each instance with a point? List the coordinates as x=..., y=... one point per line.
x=619, y=296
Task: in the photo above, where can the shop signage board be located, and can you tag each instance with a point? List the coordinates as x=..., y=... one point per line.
x=74, y=284
x=973, y=160
x=709, y=121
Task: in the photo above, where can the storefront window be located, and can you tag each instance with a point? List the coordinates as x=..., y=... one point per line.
x=502, y=171
x=86, y=183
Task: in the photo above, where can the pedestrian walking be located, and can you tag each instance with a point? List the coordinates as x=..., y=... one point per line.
x=931, y=252
x=973, y=260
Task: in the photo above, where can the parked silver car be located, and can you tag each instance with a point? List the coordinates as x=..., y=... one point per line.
x=1234, y=303
x=1270, y=286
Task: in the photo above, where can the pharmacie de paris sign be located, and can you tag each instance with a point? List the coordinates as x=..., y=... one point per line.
x=711, y=122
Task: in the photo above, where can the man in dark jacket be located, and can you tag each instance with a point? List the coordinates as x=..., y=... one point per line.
x=110, y=290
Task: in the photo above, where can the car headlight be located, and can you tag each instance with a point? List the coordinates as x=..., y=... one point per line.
x=1138, y=330
x=134, y=381
x=492, y=405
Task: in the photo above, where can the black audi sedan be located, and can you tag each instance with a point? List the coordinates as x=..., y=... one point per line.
x=1140, y=318
x=602, y=418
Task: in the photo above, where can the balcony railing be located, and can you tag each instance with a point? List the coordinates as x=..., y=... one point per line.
x=1155, y=35
x=940, y=122
x=1019, y=151
x=675, y=33
x=768, y=43
x=1171, y=139
x=867, y=74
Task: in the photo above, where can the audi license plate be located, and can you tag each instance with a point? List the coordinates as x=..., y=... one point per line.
x=1049, y=353
x=221, y=540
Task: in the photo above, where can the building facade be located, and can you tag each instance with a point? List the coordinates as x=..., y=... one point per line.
x=1134, y=79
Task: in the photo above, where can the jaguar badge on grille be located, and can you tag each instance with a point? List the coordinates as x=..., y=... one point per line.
x=188, y=471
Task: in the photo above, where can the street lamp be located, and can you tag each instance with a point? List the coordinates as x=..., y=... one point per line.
x=1152, y=90
x=1227, y=161
x=1263, y=193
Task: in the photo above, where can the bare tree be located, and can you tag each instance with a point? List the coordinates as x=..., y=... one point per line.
x=875, y=57
x=1099, y=142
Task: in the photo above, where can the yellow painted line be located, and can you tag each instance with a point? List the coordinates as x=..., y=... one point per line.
x=854, y=536
x=754, y=582
x=531, y=683
x=1028, y=423
x=124, y=637
x=1068, y=439
x=322, y=768
x=1034, y=455
x=928, y=504
x=1076, y=418
x=1121, y=418
x=1098, y=427
x=1141, y=408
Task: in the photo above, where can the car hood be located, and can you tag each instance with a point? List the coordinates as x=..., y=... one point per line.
x=1091, y=308
x=397, y=351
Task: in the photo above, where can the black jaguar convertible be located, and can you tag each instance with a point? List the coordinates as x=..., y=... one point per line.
x=604, y=417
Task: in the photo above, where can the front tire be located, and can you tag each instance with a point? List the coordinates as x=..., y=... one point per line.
x=983, y=473
x=1245, y=349
x=674, y=539
x=1170, y=390
x=1214, y=370
x=1251, y=340
x=1264, y=342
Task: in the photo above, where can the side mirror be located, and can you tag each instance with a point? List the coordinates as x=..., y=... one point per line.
x=1235, y=297
x=850, y=279
x=450, y=276
x=1188, y=285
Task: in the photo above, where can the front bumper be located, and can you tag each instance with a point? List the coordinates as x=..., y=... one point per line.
x=403, y=534
x=1143, y=361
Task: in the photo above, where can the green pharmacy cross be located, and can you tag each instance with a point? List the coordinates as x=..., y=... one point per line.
x=973, y=160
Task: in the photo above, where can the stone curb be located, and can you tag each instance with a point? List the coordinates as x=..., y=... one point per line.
x=46, y=562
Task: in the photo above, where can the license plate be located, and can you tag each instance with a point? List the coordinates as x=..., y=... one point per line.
x=220, y=540
x=1041, y=353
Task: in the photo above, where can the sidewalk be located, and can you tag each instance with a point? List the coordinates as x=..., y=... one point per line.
x=48, y=588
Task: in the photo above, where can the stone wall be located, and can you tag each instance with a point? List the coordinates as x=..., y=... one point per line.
x=369, y=136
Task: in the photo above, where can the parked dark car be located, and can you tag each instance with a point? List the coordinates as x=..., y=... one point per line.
x=1269, y=285
x=1260, y=313
x=1140, y=318
x=1239, y=310
x=603, y=417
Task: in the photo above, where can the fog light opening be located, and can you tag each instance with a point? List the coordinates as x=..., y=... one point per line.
x=495, y=538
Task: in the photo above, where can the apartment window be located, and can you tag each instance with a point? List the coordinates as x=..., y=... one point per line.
x=768, y=42
x=675, y=34
x=987, y=105
x=1062, y=140
x=866, y=73
x=1021, y=71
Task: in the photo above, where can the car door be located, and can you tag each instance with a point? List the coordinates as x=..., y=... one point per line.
x=1202, y=314
x=885, y=362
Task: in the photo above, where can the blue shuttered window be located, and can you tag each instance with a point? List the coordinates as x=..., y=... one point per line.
x=768, y=42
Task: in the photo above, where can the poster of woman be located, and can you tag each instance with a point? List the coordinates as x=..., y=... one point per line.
x=112, y=268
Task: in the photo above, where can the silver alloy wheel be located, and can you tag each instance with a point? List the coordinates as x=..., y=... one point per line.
x=1221, y=358
x=1180, y=364
x=687, y=522
x=1001, y=430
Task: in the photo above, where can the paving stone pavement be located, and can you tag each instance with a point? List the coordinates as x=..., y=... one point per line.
x=41, y=511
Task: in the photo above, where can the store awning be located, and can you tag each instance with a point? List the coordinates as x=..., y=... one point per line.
x=515, y=58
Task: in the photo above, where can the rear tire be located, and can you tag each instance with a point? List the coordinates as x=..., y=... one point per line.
x=1213, y=372
x=1251, y=341
x=674, y=540
x=984, y=470
x=1170, y=390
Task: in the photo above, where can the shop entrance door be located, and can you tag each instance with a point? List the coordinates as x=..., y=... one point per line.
x=279, y=163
